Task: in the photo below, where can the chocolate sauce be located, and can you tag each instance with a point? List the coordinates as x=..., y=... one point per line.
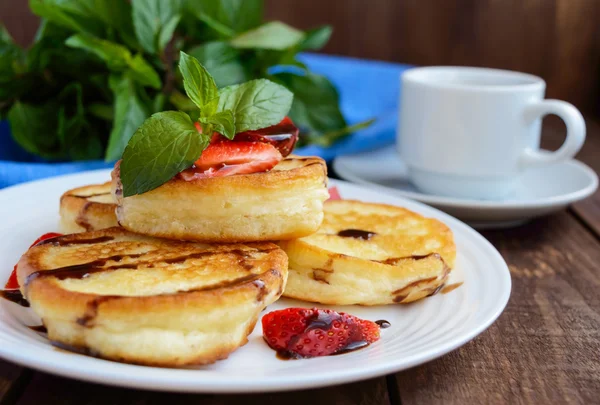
x=383, y=324
x=82, y=219
x=38, y=328
x=14, y=296
x=359, y=344
x=287, y=355
x=91, y=195
x=401, y=294
x=91, y=311
x=62, y=347
x=356, y=234
x=395, y=260
x=451, y=287
x=262, y=290
x=80, y=271
x=322, y=321
x=437, y=290
x=67, y=242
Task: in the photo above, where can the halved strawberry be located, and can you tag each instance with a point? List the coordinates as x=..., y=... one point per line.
x=225, y=158
x=302, y=332
x=283, y=136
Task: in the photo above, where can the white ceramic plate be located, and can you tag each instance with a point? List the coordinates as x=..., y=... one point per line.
x=420, y=332
x=540, y=191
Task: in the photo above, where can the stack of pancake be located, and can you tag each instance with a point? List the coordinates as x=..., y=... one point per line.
x=179, y=275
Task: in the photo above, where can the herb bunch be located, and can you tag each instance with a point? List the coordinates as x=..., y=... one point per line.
x=99, y=68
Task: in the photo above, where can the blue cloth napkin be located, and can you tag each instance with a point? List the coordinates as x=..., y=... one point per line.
x=368, y=89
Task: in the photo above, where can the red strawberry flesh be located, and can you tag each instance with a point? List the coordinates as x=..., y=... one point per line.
x=249, y=152
x=303, y=333
x=226, y=158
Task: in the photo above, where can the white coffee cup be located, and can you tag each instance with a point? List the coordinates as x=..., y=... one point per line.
x=470, y=132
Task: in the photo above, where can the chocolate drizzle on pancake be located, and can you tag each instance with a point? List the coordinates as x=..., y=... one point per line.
x=356, y=234
x=62, y=241
x=90, y=195
x=403, y=293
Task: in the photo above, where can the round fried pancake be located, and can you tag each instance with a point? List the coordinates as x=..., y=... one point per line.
x=87, y=208
x=138, y=299
x=284, y=203
x=369, y=254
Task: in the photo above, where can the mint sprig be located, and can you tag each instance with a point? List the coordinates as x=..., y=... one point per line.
x=168, y=142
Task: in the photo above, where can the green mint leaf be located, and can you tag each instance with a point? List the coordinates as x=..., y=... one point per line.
x=103, y=111
x=273, y=35
x=118, y=58
x=223, y=122
x=222, y=61
x=198, y=83
x=316, y=102
x=166, y=31
x=154, y=22
x=143, y=73
x=129, y=114
x=181, y=102
x=69, y=14
x=79, y=140
x=114, y=55
x=228, y=17
x=316, y=38
x=34, y=129
x=255, y=104
x=164, y=145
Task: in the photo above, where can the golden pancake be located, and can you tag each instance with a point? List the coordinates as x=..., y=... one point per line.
x=369, y=254
x=284, y=203
x=138, y=299
x=87, y=208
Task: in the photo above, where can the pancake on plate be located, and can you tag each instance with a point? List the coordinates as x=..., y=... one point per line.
x=369, y=254
x=87, y=208
x=283, y=203
x=137, y=299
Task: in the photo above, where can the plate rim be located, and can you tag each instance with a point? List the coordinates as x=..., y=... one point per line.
x=287, y=383
x=455, y=202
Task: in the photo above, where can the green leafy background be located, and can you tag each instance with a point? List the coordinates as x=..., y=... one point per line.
x=99, y=68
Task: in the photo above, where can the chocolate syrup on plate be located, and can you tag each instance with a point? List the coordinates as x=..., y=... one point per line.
x=383, y=324
x=14, y=296
x=38, y=328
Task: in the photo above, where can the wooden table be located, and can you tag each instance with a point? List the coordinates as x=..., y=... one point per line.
x=544, y=348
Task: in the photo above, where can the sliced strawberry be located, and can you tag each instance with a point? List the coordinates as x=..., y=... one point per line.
x=12, y=282
x=226, y=158
x=283, y=136
x=334, y=194
x=301, y=332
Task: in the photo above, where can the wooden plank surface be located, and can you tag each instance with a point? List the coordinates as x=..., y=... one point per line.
x=13, y=381
x=556, y=39
x=545, y=347
x=48, y=389
x=588, y=210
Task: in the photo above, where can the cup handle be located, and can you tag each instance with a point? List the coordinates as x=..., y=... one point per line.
x=575, y=132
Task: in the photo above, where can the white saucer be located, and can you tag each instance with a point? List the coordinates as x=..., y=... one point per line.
x=540, y=192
